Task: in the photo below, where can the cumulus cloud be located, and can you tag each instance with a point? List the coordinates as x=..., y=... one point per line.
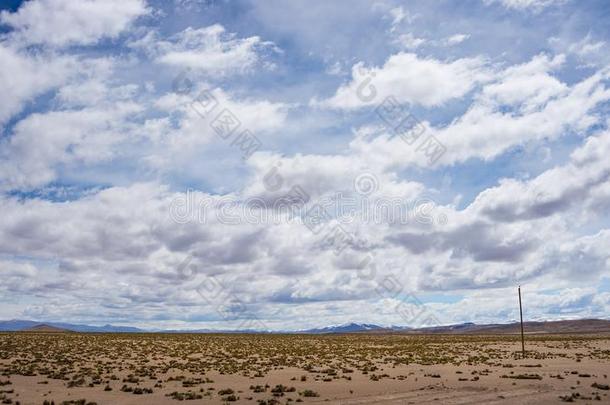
x=534, y=112
x=522, y=104
x=61, y=23
x=208, y=49
x=126, y=235
x=28, y=73
x=410, y=79
x=42, y=141
x=556, y=190
x=25, y=75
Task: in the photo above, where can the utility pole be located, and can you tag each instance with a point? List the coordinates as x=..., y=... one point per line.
x=521, y=315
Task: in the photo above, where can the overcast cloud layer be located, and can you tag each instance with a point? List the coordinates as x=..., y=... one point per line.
x=288, y=165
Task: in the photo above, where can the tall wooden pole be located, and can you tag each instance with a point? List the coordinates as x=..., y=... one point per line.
x=521, y=315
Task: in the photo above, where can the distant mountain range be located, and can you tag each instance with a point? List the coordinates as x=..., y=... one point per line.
x=27, y=325
x=355, y=328
x=569, y=326
x=18, y=325
x=346, y=328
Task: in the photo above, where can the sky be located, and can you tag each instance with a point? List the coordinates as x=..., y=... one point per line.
x=274, y=165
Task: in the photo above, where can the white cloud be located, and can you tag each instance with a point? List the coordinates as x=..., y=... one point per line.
x=542, y=109
x=410, y=79
x=191, y=129
x=209, y=49
x=554, y=191
x=26, y=75
x=527, y=86
x=519, y=105
x=456, y=39
x=533, y=5
x=399, y=15
x=590, y=50
x=409, y=41
x=66, y=22
x=587, y=47
x=40, y=142
x=119, y=247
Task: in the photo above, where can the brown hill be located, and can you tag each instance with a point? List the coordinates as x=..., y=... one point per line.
x=42, y=328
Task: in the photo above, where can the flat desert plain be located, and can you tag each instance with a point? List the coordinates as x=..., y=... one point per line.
x=72, y=368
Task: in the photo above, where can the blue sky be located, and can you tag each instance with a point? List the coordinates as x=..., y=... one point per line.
x=113, y=181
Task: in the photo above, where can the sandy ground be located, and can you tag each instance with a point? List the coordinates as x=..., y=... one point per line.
x=340, y=370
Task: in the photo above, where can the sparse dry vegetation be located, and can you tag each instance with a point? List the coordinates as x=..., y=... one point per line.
x=52, y=368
